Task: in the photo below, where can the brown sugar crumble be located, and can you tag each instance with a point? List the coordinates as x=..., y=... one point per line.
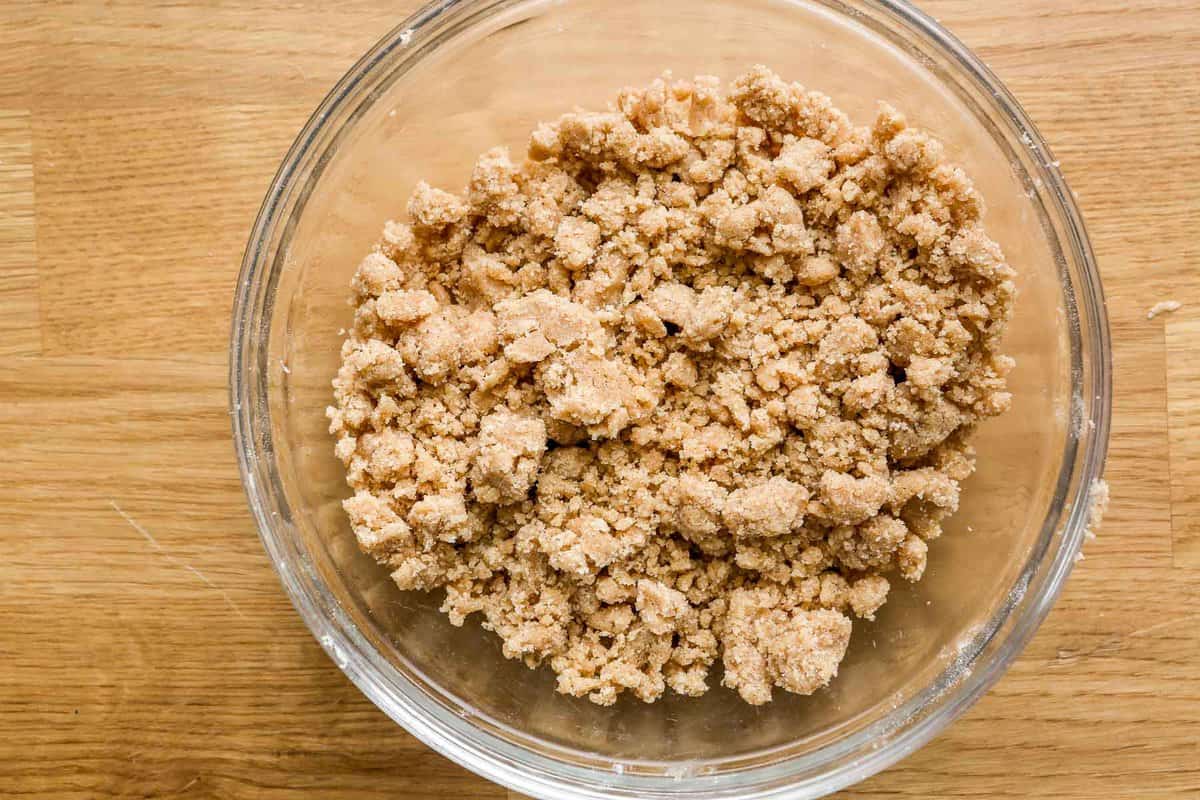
x=692, y=382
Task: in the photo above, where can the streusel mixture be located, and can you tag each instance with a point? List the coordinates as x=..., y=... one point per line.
x=690, y=383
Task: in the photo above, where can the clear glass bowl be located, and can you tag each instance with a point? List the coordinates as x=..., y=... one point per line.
x=462, y=76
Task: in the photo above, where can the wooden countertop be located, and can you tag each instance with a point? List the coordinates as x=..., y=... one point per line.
x=146, y=647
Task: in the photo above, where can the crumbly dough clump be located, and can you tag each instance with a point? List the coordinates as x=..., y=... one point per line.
x=682, y=386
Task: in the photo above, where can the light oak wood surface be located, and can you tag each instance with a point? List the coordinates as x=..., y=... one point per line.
x=146, y=647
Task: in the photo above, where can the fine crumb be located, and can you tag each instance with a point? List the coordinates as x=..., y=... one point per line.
x=1163, y=307
x=1097, y=499
x=693, y=381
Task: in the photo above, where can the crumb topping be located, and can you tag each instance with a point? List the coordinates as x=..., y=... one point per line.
x=690, y=383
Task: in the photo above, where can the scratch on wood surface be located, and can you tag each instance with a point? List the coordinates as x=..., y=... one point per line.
x=154, y=543
x=1159, y=626
x=1065, y=657
x=1114, y=644
x=189, y=785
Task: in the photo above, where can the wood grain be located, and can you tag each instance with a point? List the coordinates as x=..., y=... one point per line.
x=19, y=323
x=1183, y=420
x=225, y=155
x=147, y=649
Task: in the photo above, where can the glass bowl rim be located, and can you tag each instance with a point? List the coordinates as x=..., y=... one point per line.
x=466, y=739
